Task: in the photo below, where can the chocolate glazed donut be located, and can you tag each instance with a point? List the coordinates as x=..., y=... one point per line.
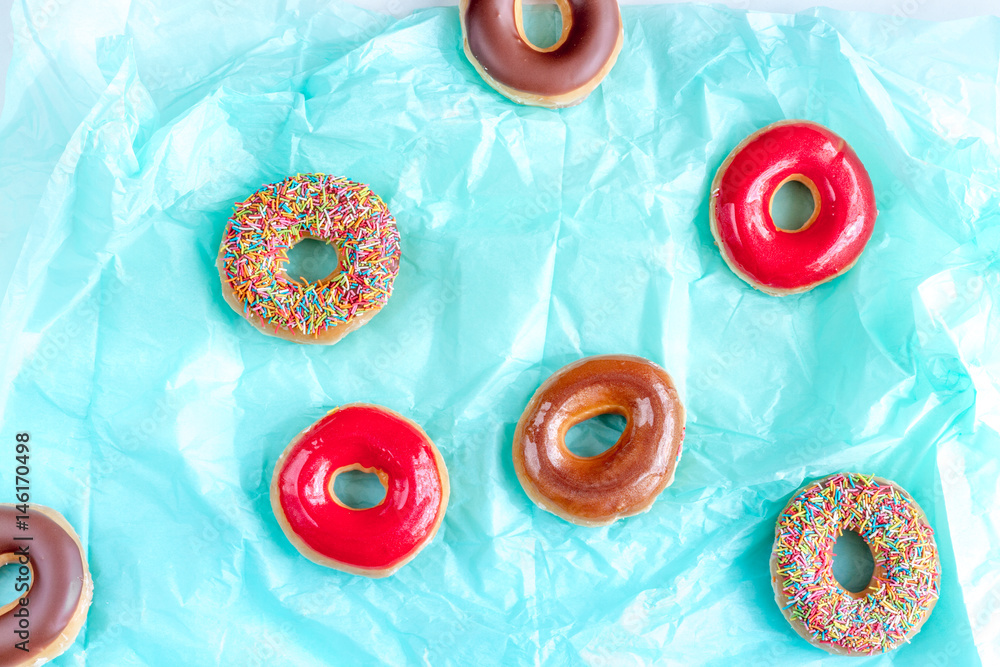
x=60, y=590
x=624, y=480
x=558, y=76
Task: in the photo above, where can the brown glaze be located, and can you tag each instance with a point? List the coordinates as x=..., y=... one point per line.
x=627, y=478
x=60, y=582
x=590, y=41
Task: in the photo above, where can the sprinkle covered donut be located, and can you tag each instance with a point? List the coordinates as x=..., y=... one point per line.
x=627, y=478
x=905, y=583
x=779, y=261
x=269, y=222
x=373, y=542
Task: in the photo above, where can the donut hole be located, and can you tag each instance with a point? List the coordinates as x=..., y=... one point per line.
x=311, y=260
x=542, y=23
x=358, y=488
x=13, y=576
x=853, y=563
x=596, y=435
x=793, y=206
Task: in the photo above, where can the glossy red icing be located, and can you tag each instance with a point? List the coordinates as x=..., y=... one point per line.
x=741, y=199
x=372, y=437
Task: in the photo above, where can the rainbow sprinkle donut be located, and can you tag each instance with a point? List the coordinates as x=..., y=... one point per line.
x=906, y=581
x=260, y=232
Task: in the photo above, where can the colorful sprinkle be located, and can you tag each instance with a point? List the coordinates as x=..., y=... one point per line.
x=906, y=582
x=274, y=218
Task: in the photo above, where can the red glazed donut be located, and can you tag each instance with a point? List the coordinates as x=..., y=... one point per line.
x=778, y=261
x=373, y=542
x=558, y=76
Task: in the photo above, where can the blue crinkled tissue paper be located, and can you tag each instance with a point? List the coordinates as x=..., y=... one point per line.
x=530, y=238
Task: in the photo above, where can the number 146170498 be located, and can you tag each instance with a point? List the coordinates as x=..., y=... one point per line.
x=22, y=487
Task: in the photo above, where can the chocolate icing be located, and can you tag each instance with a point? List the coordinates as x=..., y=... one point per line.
x=57, y=582
x=493, y=38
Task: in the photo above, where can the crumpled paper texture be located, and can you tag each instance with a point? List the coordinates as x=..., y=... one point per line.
x=530, y=238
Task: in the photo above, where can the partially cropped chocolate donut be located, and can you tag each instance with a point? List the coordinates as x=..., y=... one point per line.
x=558, y=76
x=45, y=618
x=627, y=478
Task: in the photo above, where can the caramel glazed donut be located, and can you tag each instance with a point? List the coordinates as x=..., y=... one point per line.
x=558, y=76
x=47, y=617
x=627, y=478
